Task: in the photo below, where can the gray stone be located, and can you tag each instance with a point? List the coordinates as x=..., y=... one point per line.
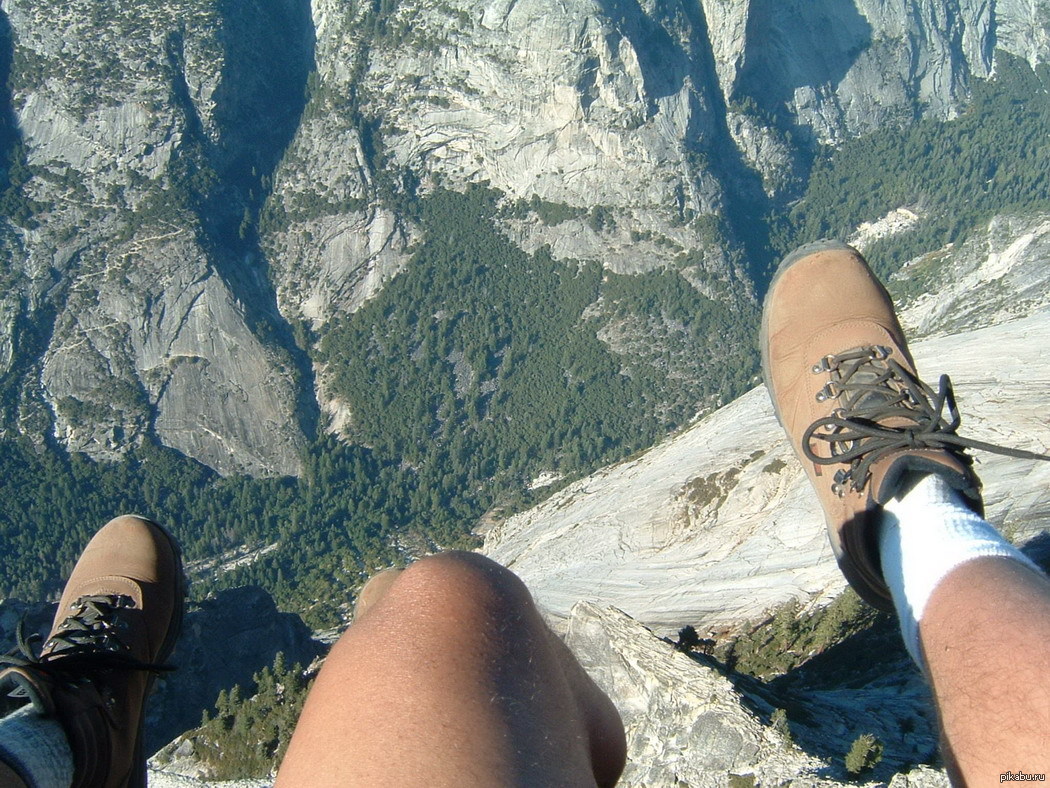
x=686, y=723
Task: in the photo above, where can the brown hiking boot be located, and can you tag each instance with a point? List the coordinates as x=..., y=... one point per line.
x=844, y=387
x=118, y=619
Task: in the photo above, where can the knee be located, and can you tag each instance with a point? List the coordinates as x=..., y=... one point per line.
x=465, y=579
x=466, y=588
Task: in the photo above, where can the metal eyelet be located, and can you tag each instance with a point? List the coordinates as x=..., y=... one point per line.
x=827, y=364
x=829, y=391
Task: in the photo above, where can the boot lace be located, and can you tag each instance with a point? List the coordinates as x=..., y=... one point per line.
x=885, y=409
x=88, y=640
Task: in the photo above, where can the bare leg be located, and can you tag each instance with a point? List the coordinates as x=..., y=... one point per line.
x=986, y=638
x=449, y=677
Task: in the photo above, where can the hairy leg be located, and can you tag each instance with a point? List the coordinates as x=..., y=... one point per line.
x=449, y=677
x=986, y=639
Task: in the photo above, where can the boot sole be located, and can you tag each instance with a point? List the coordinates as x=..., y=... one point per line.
x=138, y=777
x=825, y=245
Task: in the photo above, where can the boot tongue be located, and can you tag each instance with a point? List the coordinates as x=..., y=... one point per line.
x=877, y=395
x=866, y=399
x=91, y=627
x=890, y=476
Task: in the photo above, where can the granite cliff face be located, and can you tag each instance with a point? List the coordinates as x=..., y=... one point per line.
x=128, y=310
x=196, y=183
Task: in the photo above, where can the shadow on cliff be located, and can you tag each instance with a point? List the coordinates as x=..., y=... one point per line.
x=661, y=59
x=1038, y=549
x=14, y=166
x=798, y=44
x=224, y=642
x=786, y=46
x=667, y=61
x=867, y=683
x=9, y=134
x=268, y=55
x=34, y=323
x=747, y=208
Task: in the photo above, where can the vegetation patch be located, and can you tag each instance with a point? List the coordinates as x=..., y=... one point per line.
x=711, y=491
x=776, y=466
x=779, y=722
x=251, y=728
x=863, y=755
x=545, y=394
x=550, y=213
x=787, y=638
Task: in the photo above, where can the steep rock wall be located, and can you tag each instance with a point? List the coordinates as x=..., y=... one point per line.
x=131, y=124
x=198, y=182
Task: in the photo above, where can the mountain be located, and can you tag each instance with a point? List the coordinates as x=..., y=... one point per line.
x=197, y=190
x=327, y=286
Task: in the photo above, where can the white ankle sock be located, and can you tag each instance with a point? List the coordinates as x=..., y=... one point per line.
x=37, y=748
x=923, y=535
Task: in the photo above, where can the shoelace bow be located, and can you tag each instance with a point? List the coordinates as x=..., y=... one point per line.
x=88, y=640
x=876, y=390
